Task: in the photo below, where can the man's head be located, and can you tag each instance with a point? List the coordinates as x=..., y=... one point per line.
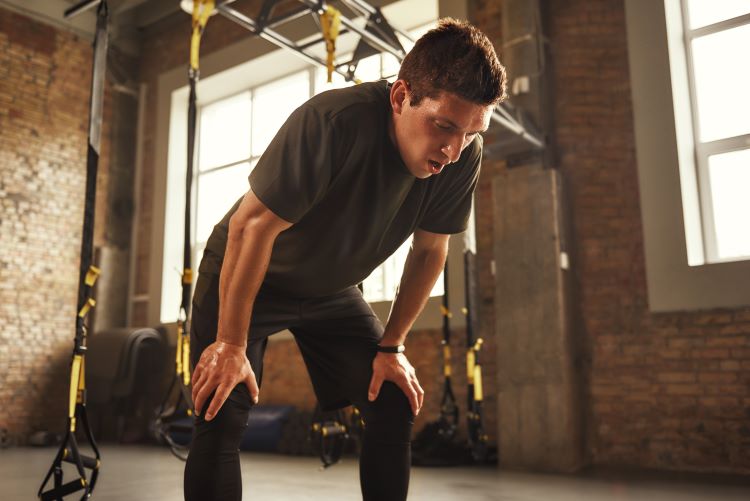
x=446, y=89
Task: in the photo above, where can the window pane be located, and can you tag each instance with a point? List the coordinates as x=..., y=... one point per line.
x=722, y=81
x=273, y=103
x=368, y=69
x=705, y=12
x=224, y=132
x=217, y=192
x=382, y=283
x=729, y=174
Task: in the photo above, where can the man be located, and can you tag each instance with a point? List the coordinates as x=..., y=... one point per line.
x=348, y=178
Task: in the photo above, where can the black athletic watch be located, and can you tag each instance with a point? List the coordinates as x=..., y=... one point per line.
x=399, y=348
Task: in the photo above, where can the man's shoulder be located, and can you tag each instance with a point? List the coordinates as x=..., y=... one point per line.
x=355, y=102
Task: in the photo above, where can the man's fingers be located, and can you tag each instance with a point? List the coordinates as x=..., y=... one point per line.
x=222, y=392
x=375, y=383
x=202, y=395
x=252, y=386
x=410, y=393
x=419, y=390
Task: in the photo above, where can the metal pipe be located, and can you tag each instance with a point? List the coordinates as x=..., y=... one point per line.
x=80, y=7
x=271, y=36
x=369, y=37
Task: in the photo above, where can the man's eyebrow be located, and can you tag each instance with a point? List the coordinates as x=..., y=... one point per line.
x=450, y=122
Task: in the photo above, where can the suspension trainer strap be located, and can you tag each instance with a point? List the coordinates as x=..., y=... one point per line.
x=88, y=273
x=330, y=22
x=477, y=436
x=448, y=420
x=170, y=416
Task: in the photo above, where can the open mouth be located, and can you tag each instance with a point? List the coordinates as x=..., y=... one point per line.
x=435, y=167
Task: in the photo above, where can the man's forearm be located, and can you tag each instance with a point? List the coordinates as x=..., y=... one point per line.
x=421, y=270
x=252, y=232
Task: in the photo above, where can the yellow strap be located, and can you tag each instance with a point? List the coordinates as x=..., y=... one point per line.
x=178, y=355
x=92, y=275
x=81, y=381
x=470, y=364
x=75, y=374
x=446, y=360
x=330, y=21
x=202, y=9
x=186, y=360
x=478, y=345
x=90, y=303
x=187, y=276
x=445, y=311
x=478, y=394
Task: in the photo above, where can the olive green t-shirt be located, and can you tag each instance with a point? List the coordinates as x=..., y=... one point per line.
x=333, y=171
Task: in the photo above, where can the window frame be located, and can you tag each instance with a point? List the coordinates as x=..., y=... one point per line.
x=705, y=149
x=665, y=161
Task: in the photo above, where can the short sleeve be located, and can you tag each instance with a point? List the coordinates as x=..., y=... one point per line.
x=294, y=172
x=449, y=206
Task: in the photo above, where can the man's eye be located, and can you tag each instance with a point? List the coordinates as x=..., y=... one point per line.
x=443, y=126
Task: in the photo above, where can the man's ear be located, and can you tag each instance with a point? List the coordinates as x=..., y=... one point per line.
x=399, y=95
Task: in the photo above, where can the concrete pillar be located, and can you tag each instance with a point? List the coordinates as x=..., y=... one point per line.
x=539, y=409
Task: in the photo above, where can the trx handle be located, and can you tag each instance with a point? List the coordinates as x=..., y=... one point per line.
x=330, y=436
x=330, y=22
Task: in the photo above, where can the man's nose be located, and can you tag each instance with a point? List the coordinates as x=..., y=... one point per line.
x=453, y=150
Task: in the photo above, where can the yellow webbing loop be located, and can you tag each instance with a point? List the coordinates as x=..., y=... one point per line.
x=470, y=364
x=92, y=275
x=330, y=21
x=178, y=355
x=202, y=9
x=81, y=381
x=446, y=360
x=478, y=394
x=187, y=276
x=75, y=374
x=445, y=311
x=90, y=303
x=186, y=360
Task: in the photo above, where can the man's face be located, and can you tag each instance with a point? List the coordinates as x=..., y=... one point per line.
x=433, y=134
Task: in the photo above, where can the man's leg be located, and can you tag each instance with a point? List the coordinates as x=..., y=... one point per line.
x=338, y=341
x=212, y=470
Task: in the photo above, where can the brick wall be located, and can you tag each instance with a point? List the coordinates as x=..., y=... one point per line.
x=665, y=391
x=44, y=99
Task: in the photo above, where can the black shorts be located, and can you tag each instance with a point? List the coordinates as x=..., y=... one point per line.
x=337, y=336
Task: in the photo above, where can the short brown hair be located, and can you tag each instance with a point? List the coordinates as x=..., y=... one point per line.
x=454, y=57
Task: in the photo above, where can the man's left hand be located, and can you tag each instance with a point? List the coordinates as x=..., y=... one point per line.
x=396, y=368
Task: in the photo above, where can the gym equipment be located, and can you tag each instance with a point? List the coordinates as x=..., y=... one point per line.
x=329, y=435
x=377, y=36
x=69, y=450
x=474, y=393
x=123, y=364
x=173, y=419
x=439, y=434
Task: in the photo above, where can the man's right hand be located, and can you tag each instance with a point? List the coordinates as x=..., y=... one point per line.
x=222, y=366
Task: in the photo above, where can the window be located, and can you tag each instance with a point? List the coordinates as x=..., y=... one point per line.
x=716, y=37
x=692, y=165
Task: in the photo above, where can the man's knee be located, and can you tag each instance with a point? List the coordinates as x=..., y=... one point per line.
x=389, y=418
x=224, y=432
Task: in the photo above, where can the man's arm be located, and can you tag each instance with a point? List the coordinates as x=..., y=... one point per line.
x=424, y=263
x=223, y=364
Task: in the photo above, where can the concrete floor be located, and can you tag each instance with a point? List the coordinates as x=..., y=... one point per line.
x=148, y=473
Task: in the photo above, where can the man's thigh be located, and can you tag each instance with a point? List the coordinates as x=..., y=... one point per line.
x=338, y=341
